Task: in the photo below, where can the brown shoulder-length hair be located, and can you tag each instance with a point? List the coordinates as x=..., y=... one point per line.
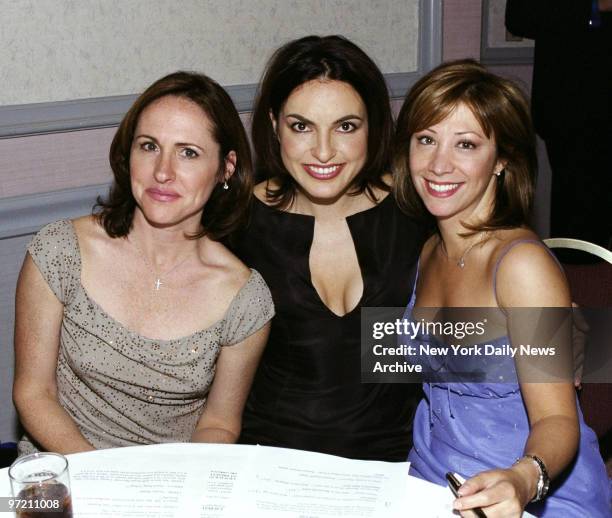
x=225, y=208
x=329, y=58
x=502, y=111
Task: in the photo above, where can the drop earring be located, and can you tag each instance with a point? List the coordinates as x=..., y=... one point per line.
x=225, y=185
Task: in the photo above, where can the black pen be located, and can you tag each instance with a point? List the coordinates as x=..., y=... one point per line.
x=454, y=485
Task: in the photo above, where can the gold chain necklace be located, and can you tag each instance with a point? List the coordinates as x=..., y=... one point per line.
x=158, y=277
x=461, y=262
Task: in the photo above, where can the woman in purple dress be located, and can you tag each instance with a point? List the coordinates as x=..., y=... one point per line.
x=465, y=159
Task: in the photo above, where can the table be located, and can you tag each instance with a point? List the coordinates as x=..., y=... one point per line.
x=219, y=481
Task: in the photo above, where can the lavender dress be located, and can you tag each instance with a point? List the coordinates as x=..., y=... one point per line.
x=473, y=427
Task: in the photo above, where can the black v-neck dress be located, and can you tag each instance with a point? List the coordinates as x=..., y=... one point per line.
x=307, y=393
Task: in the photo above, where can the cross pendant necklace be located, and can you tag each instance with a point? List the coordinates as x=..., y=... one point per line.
x=158, y=277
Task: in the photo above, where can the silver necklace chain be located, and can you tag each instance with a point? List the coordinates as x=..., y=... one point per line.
x=461, y=262
x=158, y=276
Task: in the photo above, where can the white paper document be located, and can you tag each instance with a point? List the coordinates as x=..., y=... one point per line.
x=171, y=480
x=286, y=483
x=227, y=481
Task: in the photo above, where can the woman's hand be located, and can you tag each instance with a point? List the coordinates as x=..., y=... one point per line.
x=499, y=492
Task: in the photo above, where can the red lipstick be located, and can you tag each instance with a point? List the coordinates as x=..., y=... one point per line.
x=441, y=189
x=323, y=172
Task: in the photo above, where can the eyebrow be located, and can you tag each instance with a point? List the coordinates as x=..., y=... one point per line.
x=456, y=133
x=337, y=121
x=192, y=144
x=179, y=144
x=144, y=135
x=469, y=132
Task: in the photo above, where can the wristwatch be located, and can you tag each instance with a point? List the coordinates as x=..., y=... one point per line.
x=543, y=480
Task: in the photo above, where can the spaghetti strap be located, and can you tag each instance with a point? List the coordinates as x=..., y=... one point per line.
x=414, y=287
x=509, y=247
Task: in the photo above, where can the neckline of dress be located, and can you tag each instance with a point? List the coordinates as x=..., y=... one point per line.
x=134, y=334
x=310, y=221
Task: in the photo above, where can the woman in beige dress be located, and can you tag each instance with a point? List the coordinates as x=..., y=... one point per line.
x=124, y=319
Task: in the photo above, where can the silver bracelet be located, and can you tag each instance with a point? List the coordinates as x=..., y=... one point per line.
x=543, y=479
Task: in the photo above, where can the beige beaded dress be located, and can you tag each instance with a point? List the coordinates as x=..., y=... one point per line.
x=123, y=389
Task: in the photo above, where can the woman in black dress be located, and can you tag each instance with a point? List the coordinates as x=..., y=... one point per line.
x=328, y=239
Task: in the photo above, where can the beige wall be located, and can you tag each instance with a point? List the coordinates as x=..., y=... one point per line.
x=72, y=49
x=42, y=163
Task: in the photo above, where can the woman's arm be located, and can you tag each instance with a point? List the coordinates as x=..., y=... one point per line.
x=38, y=318
x=221, y=421
x=529, y=277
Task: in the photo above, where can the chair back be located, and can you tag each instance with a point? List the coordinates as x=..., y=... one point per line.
x=591, y=286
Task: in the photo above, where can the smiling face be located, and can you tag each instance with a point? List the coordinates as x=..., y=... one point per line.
x=323, y=133
x=453, y=166
x=174, y=163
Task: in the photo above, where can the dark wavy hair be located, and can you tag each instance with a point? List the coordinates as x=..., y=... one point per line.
x=332, y=58
x=225, y=209
x=502, y=110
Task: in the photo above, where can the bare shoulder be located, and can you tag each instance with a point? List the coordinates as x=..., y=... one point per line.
x=527, y=274
x=387, y=179
x=260, y=190
x=379, y=193
x=229, y=271
x=88, y=227
x=91, y=235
